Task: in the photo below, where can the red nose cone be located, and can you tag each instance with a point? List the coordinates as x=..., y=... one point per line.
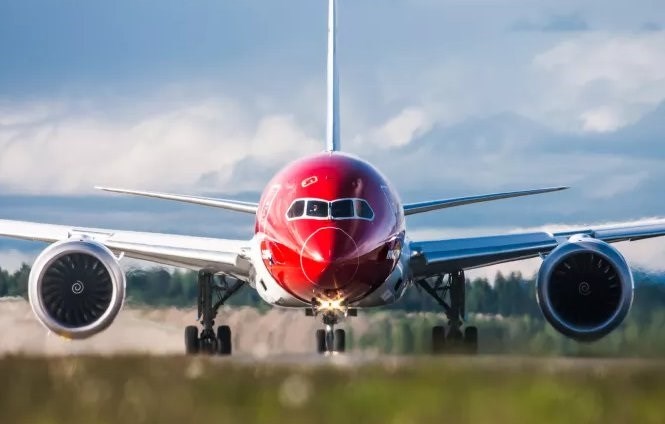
x=329, y=258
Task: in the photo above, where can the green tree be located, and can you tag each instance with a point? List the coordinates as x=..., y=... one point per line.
x=18, y=282
x=481, y=297
x=4, y=282
x=402, y=337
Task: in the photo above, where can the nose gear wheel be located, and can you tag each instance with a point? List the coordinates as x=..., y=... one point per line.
x=330, y=340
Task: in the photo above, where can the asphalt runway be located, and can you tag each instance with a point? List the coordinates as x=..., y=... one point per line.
x=161, y=332
x=279, y=337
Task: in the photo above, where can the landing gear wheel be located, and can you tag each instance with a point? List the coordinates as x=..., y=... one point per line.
x=192, y=340
x=224, y=346
x=438, y=339
x=321, y=341
x=471, y=340
x=340, y=340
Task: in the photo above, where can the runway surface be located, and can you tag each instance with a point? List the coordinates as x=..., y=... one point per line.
x=278, y=337
x=161, y=332
x=283, y=337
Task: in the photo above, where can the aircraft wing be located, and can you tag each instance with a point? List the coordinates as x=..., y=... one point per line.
x=232, y=205
x=416, y=208
x=218, y=255
x=442, y=256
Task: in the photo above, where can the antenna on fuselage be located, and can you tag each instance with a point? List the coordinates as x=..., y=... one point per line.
x=332, y=134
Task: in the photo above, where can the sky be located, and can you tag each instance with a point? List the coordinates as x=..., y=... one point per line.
x=446, y=97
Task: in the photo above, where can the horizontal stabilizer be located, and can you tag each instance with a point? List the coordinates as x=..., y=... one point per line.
x=232, y=205
x=414, y=208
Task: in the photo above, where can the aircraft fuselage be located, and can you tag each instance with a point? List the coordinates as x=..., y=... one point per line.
x=330, y=226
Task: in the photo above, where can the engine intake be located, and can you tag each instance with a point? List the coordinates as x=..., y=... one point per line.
x=585, y=289
x=76, y=288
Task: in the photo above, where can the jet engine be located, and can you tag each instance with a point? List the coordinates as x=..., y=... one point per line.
x=76, y=288
x=585, y=288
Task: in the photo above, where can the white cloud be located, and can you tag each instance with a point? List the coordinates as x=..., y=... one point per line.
x=602, y=119
x=29, y=113
x=171, y=148
x=400, y=130
x=601, y=81
x=612, y=185
x=629, y=60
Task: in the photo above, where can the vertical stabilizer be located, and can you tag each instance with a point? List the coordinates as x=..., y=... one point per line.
x=332, y=136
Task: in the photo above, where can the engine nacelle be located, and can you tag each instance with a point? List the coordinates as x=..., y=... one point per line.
x=76, y=288
x=585, y=288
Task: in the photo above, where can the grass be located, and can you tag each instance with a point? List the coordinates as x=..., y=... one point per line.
x=140, y=389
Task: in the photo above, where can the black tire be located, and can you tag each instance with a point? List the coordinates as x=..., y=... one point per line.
x=471, y=340
x=191, y=340
x=340, y=340
x=438, y=339
x=224, y=343
x=321, y=341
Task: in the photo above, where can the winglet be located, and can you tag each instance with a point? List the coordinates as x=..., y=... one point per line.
x=333, y=124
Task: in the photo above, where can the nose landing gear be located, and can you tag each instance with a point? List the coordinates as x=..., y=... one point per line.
x=330, y=340
x=454, y=340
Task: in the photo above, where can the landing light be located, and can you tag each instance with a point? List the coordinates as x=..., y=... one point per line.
x=332, y=305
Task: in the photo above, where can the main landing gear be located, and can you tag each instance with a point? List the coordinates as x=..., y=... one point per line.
x=450, y=293
x=213, y=292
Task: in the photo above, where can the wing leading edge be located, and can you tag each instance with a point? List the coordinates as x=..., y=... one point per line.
x=217, y=255
x=440, y=256
x=233, y=205
x=414, y=208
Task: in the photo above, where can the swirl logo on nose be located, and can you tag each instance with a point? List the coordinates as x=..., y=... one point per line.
x=584, y=288
x=77, y=287
x=309, y=181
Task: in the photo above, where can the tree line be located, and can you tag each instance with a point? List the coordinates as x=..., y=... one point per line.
x=511, y=295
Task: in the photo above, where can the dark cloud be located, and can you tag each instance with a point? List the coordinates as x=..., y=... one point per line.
x=652, y=27
x=554, y=23
x=129, y=213
x=615, y=176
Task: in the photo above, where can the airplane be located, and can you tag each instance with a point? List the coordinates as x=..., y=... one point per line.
x=330, y=238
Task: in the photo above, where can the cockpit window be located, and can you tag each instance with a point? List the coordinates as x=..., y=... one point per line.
x=317, y=208
x=296, y=210
x=342, y=209
x=337, y=209
x=363, y=210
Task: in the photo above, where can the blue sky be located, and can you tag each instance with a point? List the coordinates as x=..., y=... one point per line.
x=446, y=97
